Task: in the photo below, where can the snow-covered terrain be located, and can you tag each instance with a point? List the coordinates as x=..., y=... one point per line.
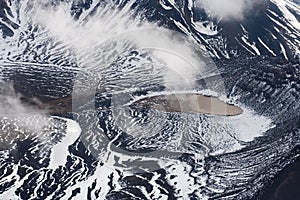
x=69, y=128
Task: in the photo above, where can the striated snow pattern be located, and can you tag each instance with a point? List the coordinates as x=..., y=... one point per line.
x=105, y=55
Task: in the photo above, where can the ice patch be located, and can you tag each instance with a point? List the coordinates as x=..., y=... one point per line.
x=207, y=28
x=60, y=151
x=248, y=125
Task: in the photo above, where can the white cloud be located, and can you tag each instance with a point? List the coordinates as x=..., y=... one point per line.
x=227, y=9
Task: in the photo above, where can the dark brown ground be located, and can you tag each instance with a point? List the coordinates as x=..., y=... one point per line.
x=191, y=103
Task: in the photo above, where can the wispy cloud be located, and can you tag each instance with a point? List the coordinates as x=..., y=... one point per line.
x=91, y=39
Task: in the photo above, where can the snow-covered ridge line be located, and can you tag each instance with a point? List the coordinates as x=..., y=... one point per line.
x=266, y=46
x=283, y=5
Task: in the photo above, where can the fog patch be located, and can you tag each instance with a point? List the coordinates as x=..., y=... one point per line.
x=13, y=109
